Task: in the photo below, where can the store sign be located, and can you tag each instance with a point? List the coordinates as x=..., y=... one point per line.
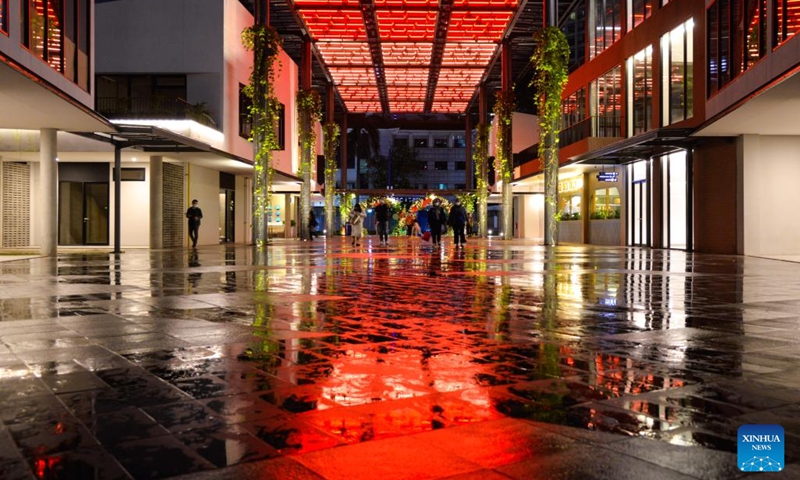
x=570, y=185
x=607, y=177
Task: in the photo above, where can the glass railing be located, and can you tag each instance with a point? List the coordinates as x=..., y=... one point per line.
x=154, y=107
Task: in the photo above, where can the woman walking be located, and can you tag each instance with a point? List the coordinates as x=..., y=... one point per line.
x=356, y=221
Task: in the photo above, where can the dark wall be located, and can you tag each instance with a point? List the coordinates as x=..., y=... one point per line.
x=715, y=205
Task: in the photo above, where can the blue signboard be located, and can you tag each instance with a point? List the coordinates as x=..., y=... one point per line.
x=607, y=176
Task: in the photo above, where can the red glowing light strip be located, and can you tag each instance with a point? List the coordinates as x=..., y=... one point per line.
x=363, y=107
x=406, y=106
x=398, y=25
x=478, y=26
x=477, y=54
x=456, y=93
x=459, y=78
x=358, y=93
x=327, y=3
x=404, y=4
x=333, y=25
x=467, y=4
x=449, y=107
x=406, y=76
x=352, y=76
x=407, y=93
x=406, y=54
x=344, y=53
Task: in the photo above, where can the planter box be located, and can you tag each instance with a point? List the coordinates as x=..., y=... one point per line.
x=604, y=232
x=570, y=231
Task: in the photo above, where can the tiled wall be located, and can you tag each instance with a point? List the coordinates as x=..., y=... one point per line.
x=16, y=203
x=173, y=205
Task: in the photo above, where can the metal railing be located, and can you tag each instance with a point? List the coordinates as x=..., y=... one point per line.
x=152, y=107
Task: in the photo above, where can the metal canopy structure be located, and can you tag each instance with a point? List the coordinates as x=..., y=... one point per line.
x=411, y=56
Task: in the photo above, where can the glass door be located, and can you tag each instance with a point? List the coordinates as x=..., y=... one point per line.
x=226, y=216
x=83, y=213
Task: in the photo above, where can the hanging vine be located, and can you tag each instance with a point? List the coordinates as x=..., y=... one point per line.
x=330, y=133
x=265, y=43
x=310, y=103
x=503, y=111
x=345, y=205
x=551, y=71
x=479, y=158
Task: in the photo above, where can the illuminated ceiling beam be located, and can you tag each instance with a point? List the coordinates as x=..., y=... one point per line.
x=439, y=41
x=374, y=41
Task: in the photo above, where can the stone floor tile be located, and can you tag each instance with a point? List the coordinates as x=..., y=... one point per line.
x=396, y=458
x=696, y=462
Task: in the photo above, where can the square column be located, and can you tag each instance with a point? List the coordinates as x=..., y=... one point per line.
x=48, y=192
x=156, y=202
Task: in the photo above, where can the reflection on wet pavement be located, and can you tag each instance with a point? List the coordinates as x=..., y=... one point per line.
x=332, y=362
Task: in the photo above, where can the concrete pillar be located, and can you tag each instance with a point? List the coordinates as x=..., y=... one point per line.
x=156, y=202
x=48, y=181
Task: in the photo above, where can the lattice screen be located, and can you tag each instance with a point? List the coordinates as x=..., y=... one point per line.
x=174, y=208
x=16, y=204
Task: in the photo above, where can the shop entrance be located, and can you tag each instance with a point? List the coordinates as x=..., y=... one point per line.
x=83, y=206
x=227, y=208
x=639, y=205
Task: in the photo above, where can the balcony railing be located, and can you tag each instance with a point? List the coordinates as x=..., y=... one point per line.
x=153, y=107
x=596, y=126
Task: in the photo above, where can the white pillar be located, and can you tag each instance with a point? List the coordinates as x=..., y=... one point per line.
x=48, y=181
x=156, y=202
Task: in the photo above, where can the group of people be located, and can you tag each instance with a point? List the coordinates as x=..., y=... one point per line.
x=438, y=220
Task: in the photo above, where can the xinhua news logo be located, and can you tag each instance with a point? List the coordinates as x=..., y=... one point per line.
x=761, y=448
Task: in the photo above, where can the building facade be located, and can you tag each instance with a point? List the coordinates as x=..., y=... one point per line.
x=657, y=135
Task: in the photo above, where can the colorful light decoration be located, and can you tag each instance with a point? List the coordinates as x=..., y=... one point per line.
x=406, y=30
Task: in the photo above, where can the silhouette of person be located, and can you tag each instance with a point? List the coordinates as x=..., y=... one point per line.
x=194, y=214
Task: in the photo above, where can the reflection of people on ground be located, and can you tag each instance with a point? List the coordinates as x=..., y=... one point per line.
x=312, y=224
x=437, y=219
x=194, y=261
x=194, y=214
x=356, y=221
x=410, y=220
x=382, y=221
x=458, y=220
x=415, y=230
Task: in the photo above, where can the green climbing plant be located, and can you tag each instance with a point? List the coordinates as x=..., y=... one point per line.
x=330, y=144
x=504, y=110
x=265, y=43
x=310, y=103
x=480, y=157
x=550, y=62
x=551, y=71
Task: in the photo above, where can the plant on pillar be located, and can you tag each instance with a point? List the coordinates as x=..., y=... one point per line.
x=308, y=103
x=550, y=61
x=504, y=111
x=331, y=143
x=480, y=158
x=265, y=43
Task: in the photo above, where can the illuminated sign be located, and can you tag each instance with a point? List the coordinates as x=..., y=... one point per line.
x=570, y=185
x=607, y=176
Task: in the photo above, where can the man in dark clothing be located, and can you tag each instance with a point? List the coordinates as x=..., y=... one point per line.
x=382, y=222
x=458, y=220
x=312, y=224
x=194, y=214
x=437, y=218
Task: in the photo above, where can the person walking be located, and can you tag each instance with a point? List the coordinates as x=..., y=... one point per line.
x=312, y=224
x=194, y=214
x=458, y=221
x=437, y=220
x=410, y=220
x=382, y=221
x=356, y=221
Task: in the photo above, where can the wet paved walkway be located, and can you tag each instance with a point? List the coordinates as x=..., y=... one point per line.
x=501, y=361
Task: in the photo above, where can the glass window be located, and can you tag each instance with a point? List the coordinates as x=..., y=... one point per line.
x=606, y=104
x=440, y=166
x=459, y=142
x=461, y=165
x=57, y=31
x=736, y=39
x=573, y=116
x=574, y=28
x=245, y=124
x=400, y=141
x=4, y=15
x=440, y=142
x=638, y=12
x=640, y=92
x=606, y=25
x=677, y=68
x=606, y=203
x=787, y=20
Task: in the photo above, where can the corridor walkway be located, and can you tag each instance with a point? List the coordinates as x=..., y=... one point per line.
x=501, y=361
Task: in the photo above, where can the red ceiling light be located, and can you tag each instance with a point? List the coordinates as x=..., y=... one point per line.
x=405, y=29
